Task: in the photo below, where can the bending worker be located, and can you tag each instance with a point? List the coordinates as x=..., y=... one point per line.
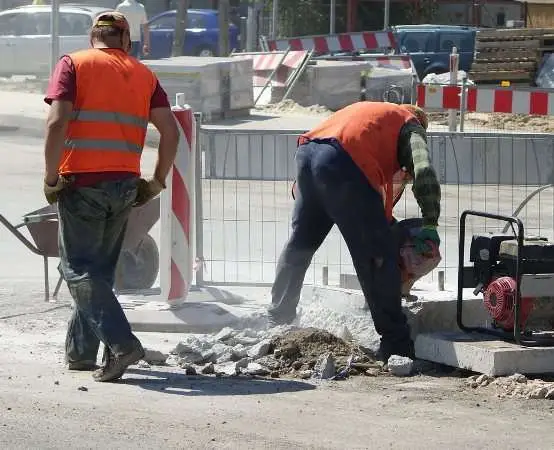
x=101, y=102
x=345, y=171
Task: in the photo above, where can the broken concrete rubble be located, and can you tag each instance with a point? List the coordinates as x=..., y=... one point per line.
x=400, y=366
x=257, y=369
x=325, y=367
x=260, y=349
x=154, y=357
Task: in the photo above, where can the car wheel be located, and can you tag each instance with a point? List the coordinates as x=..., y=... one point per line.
x=205, y=52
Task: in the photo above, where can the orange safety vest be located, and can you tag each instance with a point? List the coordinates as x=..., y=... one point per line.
x=369, y=132
x=110, y=116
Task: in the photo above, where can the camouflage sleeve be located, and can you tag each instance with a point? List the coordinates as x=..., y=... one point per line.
x=413, y=154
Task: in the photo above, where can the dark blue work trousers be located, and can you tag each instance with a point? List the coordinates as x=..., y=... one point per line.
x=331, y=189
x=92, y=224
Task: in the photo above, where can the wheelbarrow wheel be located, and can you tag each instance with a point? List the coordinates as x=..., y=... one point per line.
x=138, y=267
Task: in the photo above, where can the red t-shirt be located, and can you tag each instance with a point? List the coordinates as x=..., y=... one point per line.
x=63, y=86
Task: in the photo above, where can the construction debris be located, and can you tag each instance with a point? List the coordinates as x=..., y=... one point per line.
x=517, y=385
x=278, y=352
x=400, y=366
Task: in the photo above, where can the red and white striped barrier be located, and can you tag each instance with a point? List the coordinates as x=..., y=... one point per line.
x=266, y=62
x=366, y=40
x=487, y=100
x=177, y=212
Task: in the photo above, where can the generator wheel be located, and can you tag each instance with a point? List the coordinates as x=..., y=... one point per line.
x=138, y=267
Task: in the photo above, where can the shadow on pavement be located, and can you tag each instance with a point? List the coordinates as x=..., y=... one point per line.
x=200, y=385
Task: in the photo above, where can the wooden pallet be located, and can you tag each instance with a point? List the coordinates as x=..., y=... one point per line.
x=511, y=54
x=502, y=75
x=507, y=56
x=479, y=66
x=513, y=33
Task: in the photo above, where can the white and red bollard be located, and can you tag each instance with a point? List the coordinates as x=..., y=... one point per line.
x=177, y=212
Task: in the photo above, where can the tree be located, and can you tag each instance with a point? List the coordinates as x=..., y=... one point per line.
x=180, y=27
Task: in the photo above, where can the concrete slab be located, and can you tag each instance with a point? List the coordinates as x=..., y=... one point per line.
x=483, y=354
x=205, y=311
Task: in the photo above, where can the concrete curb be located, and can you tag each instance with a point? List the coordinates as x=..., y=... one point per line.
x=34, y=126
x=432, y=312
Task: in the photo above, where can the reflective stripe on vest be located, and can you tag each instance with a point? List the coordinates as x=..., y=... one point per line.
x=102, y=144
x=106, y=116
x=106, y=144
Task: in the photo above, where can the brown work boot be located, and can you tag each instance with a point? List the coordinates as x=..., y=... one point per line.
x=115, y=365
x=82, y=365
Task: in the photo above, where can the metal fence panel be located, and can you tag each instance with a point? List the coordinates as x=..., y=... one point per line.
x=247, y=203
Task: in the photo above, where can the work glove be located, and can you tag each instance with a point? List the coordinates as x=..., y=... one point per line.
x=427, y=234
x=147, y=190
x=52, y=192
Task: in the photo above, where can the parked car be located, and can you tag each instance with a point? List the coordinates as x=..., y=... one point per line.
x=25, y=36
x=430, y=46
x=201, y=35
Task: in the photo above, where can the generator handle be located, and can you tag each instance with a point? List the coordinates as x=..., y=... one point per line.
x=461, y=257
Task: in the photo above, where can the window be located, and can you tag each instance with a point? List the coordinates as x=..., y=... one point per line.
x=195, y=21
x=168, y=22
x=74, y=24
x=462, y=41
x=163, y=23
x=416, y=42
x=10, y=25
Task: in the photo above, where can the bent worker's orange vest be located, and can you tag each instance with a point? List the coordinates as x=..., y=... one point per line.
x=110, y=116
x=369, y=132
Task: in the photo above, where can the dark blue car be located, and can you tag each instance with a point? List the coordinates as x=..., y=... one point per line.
x=201, y=37
x=430, y=46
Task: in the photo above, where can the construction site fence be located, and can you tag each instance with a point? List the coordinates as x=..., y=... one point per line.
x=246, y=205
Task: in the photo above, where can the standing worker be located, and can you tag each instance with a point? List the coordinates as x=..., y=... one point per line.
x=345, y=171
x=101, y=101
x=135, y=13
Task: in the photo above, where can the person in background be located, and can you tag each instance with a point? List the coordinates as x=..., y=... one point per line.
x=346, y=172
x=135, y=13
x=101, y=102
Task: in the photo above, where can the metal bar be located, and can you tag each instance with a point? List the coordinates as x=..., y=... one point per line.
x=386, y=18
x=46, y=280
x=332, y=16
x=296, y=75
x=54, y=34
x=463, y=96
x=454, y=64
x=19, y=236
x=274, y=14
x=198, y=211
x=58, y=287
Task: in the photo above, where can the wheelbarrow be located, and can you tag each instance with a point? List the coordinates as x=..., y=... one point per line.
x=138, y=264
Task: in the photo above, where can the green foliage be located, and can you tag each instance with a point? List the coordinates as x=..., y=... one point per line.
x=302, y=17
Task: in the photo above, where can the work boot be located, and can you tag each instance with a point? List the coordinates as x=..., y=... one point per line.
x=82, y=365
x=274, y=320
x=115, y=365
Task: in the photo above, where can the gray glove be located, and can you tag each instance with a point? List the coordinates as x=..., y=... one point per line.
x=147, y=190
x=52, y=192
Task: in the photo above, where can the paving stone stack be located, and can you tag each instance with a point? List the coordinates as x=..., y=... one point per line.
x=511, y=54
